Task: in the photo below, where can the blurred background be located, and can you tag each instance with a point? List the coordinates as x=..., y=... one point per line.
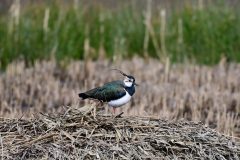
x=184, y=53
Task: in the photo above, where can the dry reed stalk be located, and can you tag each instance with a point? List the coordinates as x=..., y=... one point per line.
x=153, y=36
x=45, y=20
x=200, y=4
x=162, y=32
x=76, y=6
x=180, y=34
x=101, y=52
x=15, y=15
x=147, y=14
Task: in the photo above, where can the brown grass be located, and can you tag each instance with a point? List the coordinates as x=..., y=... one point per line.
x=78, y=134
x=192, y=92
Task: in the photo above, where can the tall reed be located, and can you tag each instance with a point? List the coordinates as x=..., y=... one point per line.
x=202, y=34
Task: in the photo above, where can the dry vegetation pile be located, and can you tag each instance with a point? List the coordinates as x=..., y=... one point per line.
x=197, y=93
x=76, y=134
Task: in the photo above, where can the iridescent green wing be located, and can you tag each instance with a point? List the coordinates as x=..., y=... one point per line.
x=109, y=91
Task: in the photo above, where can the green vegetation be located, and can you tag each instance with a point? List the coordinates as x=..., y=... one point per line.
x=41, y=31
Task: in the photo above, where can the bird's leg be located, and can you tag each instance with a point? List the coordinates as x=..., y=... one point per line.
x=101, y=102
x=114, y=110
x=118, y=115
x=94, y=112
x=95, y=105
x=99, y=106
x=98, y=103
x=106, y=109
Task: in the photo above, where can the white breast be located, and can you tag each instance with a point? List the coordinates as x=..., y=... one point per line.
x=121, y=101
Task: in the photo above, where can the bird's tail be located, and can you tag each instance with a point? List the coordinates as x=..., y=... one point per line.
x=83, y=95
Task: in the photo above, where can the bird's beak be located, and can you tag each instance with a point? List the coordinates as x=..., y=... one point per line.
x=136, y=84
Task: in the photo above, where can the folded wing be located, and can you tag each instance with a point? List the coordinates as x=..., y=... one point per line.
x=109, y=91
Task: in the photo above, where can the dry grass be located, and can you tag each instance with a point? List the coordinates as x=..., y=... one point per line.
x=192, y=92
x=76, y=134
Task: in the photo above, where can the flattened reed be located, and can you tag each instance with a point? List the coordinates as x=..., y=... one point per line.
x=192, y=92
x=78, y=134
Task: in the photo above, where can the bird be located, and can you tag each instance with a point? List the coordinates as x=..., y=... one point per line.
x=115, y=93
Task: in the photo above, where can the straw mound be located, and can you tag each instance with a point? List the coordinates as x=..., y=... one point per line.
x=199, y=93
x=84, y=135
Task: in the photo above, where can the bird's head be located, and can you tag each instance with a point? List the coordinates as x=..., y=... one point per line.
x=129, y=80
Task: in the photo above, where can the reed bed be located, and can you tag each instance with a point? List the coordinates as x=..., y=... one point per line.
x=80, y=134
x=201, y=32
x=168, y=91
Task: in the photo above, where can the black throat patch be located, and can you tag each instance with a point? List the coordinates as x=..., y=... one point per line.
x=130, y=90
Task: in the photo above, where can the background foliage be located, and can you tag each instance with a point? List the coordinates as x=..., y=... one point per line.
x=75, y=31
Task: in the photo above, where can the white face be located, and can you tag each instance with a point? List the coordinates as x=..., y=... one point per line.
x=128, y=82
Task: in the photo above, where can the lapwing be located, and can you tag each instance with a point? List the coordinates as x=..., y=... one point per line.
x=115, y=93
